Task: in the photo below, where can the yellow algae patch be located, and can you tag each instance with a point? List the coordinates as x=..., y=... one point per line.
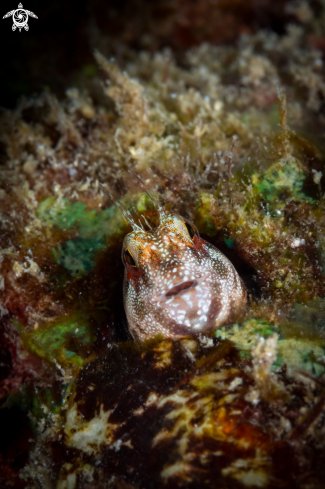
x=251, y=471
x=178, y=469
x=208, y=381
x=163, y=355
x=88, y=435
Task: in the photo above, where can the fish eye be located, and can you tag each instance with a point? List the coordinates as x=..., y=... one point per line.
x=191, y=229
x=128, y=258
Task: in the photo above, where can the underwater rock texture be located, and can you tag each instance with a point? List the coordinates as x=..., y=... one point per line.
x=230, y=137
x=180, y=413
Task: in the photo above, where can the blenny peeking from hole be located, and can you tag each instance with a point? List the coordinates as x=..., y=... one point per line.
x=175, y=283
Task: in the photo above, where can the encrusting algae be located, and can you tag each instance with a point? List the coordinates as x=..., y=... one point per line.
x=213, y=138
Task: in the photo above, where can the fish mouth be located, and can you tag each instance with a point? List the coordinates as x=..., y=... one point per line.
x=181, y=288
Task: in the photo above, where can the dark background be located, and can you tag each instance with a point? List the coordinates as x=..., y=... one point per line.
x=57, y=50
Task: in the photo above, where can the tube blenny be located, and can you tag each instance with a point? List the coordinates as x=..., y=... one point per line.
x=176, y=283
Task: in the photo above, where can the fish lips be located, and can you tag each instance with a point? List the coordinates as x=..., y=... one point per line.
x=181, y=288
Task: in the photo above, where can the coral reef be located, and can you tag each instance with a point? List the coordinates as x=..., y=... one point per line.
x=181, y=413
x=228, y=136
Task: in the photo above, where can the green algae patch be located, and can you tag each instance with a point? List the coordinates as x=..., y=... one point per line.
x=66, y=343
x=38, y=402
x=229, y=242
x=78, y=256
x=301, y=355
x=283, y=181
x=204, y=215
x=244, y=336
x=87, y=223
x=94, y=229
x=296, y=354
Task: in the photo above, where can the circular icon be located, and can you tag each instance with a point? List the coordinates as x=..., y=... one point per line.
x=20, y=18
